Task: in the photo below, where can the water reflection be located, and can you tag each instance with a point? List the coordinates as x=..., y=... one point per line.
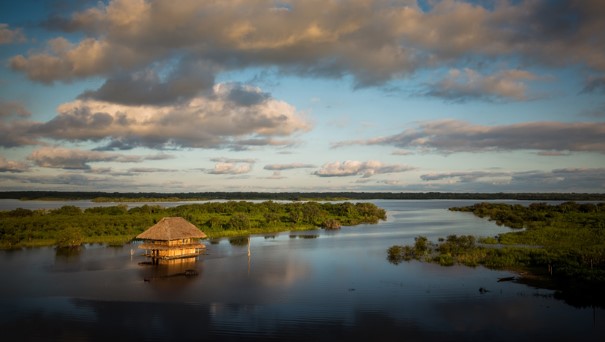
x=102, y=321
x=304, y=236
x=68, y=254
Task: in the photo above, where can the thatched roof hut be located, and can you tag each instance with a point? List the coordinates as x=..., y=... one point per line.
x=172, y=238
x=172, y=228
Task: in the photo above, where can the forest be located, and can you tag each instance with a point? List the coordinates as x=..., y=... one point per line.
x=563, y=244
x=70, y=225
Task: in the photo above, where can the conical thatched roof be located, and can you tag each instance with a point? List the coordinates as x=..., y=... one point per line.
x=172, y=228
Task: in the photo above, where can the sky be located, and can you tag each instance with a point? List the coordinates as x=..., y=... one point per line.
x=302, y=95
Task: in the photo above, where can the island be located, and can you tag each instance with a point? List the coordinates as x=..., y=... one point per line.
x=559, y=246
x=115, y=225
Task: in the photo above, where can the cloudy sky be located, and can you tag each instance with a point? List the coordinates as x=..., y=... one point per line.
x=303, y=95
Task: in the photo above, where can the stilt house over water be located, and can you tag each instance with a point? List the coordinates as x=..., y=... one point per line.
x=172, y=238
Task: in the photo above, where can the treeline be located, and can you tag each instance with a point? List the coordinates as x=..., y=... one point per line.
x=118, y=224
x=295, y=196
x=564, y=243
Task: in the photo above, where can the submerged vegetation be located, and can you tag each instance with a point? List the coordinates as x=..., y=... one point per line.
x=563, y=245
x=70, y=225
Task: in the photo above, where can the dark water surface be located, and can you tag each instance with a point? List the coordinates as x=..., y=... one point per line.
x=313, y=285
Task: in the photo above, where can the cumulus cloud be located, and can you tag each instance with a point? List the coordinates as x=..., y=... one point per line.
x=373, y=41
x=450, y=136
x=231, y=168
x=282, y=167
x=65, y=158
x=13, y=109
x=213, y=121
x=12, y=166
x=8, y=36
x=468, y=84
x=353, y=168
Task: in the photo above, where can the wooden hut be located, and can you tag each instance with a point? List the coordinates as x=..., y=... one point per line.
x=172, y=238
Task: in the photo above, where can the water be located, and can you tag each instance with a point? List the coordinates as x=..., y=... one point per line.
x=319, y=285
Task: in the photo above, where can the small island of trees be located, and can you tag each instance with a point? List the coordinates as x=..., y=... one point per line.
x=562, y=246
x=70, y=225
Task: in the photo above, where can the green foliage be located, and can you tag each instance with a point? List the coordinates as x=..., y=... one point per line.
x=117, y=224
x=565, y=241
x=69, y=237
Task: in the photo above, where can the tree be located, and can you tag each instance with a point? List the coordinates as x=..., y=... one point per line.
x=69, y=237
x=239, y=221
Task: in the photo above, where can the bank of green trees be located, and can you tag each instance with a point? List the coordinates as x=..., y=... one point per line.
x=118, y=224
x=564, y=243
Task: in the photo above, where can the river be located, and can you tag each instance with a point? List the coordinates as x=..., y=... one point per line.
x=314, y=285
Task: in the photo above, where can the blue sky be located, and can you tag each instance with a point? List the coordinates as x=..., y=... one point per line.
x=372, y=95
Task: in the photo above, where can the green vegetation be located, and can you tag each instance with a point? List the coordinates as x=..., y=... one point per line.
x=563, y=245
x=70, y=225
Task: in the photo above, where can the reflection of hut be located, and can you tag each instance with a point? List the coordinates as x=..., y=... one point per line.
x=172, y=238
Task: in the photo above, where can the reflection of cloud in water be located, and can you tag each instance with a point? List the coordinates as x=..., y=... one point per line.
x=283, y=274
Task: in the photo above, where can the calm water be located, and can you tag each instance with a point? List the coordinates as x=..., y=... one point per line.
x=314, y=285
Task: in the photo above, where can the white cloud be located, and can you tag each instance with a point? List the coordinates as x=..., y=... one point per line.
x=231, y=166
x=353, y=168
x=202, y=122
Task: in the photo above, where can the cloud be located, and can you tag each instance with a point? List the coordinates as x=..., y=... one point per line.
x=594, y=84
x=557, y=180
x=465, y=176
x=231, y=166
x=353, y=168
x=10, y=109
x=233, y=160
x=451, y=136
x=402, y=153
x=76, y=159
x=8, y=36
x=281, y=167
x=276, y=175
x=18, y=133
x=146, y=87
x=373, y=41
x=214, y=121
x=230, y=169
x=468, y=84
x=12, y=166
x=149, y=170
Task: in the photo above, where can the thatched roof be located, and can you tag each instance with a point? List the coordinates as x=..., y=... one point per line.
x=172, y=228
